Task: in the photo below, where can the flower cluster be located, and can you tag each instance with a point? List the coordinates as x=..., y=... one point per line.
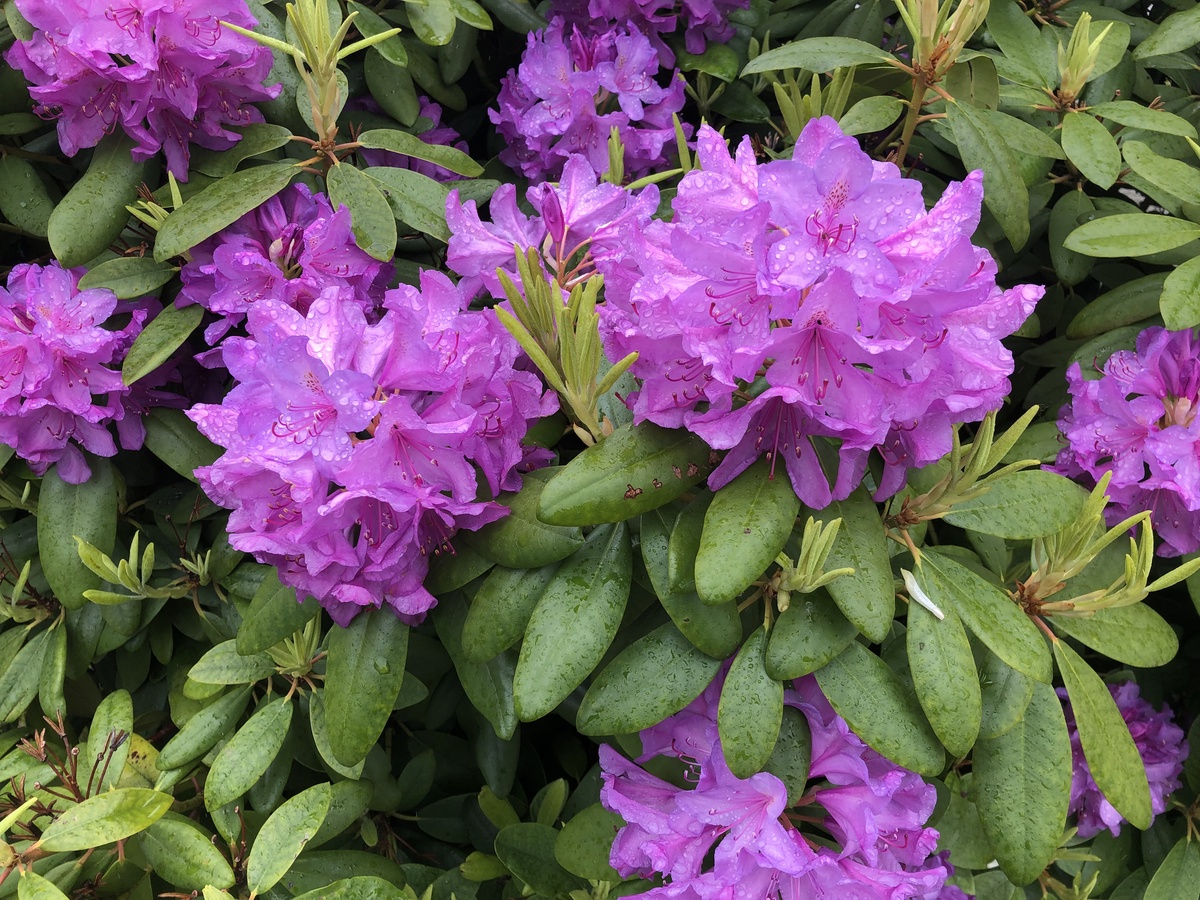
x=60, y=379
x=354, y=451
x=702, y=21
x=1157, y=738
x=731, y=837
x=436, y=133
x=572, y=88
x=165, y=71
x=290, y=249
x=813, y=303
x=1138, y=421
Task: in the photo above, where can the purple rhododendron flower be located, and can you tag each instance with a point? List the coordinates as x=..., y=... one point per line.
x=164, y=71
x=702, y=21
x=290, y=249
x=571, y=89
x=730, y=837
x=355, y=450
x=60, y=378
x=1157, y=738
x=1138, y=421
x=863, y=321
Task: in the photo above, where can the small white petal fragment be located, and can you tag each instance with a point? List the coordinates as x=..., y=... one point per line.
x=917, y=593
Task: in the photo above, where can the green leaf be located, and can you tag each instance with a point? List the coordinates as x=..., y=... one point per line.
x=751, y=709
x=516, y=15
x=789, y=761
x=1135, y=115
x=19, y=683
x=285, y=833
x=654, y=677
x=371, y=217
x=1022, y=785
x=31, y=885
x=274, y=615
x=635, y=469
x=67, y=511
x=1171, y=175
x=363, y=674
x=584, y=844
x=246, y=756
x=369, y=25
x=362, y=887
x=1006, y=694
x=527, y=849
x=174, y=438
x=866, y=596
x=684, y=545
x=451, y=571
x=92, y=215
x=391, y=86
x=745, y=528
x=201, y=732
x=945, y=678
x=959, y=828
x=1178, y=878
x=1131, y=234
x=411, y=145
x=23, y=197
x=317, y=868
x=320, y=735
x=807, y=635
x=819, y=54
x=1021, y=41
x=159, y=340
x=221, y=203
x=415, y=199
x=982, y=146
x=1179, y=31
x=500, y=610
x=521, y=540
x=988, y=612
x=432, y=20
x=129, y=277
x=256, y=138
x=574, y=622
x=488, y=684
x=1125, y=304
x=1108, y=747
x=871, y=114
x=718, y=60
x=1180, y=300
x=53, y=672
x=223, y=664
x=1135, y=635
x=109, y=739
x=1070, y=267
x=865, y=692
x=105, y=818
x=348, y=802
x=1022, y=506
x=184, y=855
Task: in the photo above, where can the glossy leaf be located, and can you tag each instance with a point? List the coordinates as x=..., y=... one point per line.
x=109, y=739
x=865, y=692
x=19, y=683
x=67, y=511
x=522, y=540
x=488, y=684
x=371, y=217
x=174, y=438
x=684, y=545
x=1111, y=754
x=256, y=138
x=819, y=54
x=983, y=147
x=866, y=596
x=92, y=215
x=654, y=677
x=574, y=622
x=1178, y=878
x=410, y=145
x=182, y=854
x=1171, y=175
x=1180, y=300
x=159, y=340
x=584, y=844
x=807, y=635
x=1135, y=635
x=1091, y=147
x=129, y=277
x=1022, y=506
x=201, y=732
x=527, y=849
x=363, y=674
x=274, y=615
x=1125, y=304
x=745, y=528
x=945, y=678
x=223, y=664
x=246, y=756
x=750, y=712
x=23, y=198
x=501, y=608
x=105, y=818
x=1131, y=234
x=32, y=886
x=369, y=25
x=1070, y=267
x=415, y=199
x=361, y=887
x=1005, y=694
x=284, y=835
x=1022, y=784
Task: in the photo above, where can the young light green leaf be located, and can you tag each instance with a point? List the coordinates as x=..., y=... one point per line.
x=285, y=833
x=1131, y=234
x=105, y=818
x=246, y=756
x=182, y=854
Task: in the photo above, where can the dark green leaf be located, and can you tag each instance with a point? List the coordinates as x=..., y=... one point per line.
x=129, y=277
x=23, y=197
x=415, y=199
x=866, y=597
x=174, y=438
x=52, y=673
x=19, y=683
x=807, y=635
x=1124, y=305
x=792, y=755
x=684, y=545
x=982, y=146
x=201, y=732
x=392, y=86
x=362, y=887
x=652, y=678
x=718, y=60
x=105, y=818
x=944, y=675
x=159, y=340
x=92, y=215
x=584, y=844
x=574, y=622
x=274, y=615
x=221, y=203
x=751, y=709
x=257, y=138
x=871, y=114
x=500, y=610
x=745, y=528
x=527, y=849
x=370, y=25
x=1070, y=267
x=865, y=692
x=363, y=674
x=1022, y=784
x=1022, y=506
x=67, y=511
x=489, y=684
x=819, y=54
x=411, y=145
x=522, y=540
x=1006, y=694
x=371, y=217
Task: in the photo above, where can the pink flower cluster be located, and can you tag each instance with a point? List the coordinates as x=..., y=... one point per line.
x=726, y=837
x=60, y=381
x=1138, y=420
x=164, y=71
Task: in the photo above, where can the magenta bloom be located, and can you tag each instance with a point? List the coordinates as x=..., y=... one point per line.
x=164, y=71
x=701, y=21
x=729, y=837
x=1138, y=421
x=354, y=451
x=1159, y=741
x=60, y=379
x=571, y=90
x=290, y=249
x=866, y=324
